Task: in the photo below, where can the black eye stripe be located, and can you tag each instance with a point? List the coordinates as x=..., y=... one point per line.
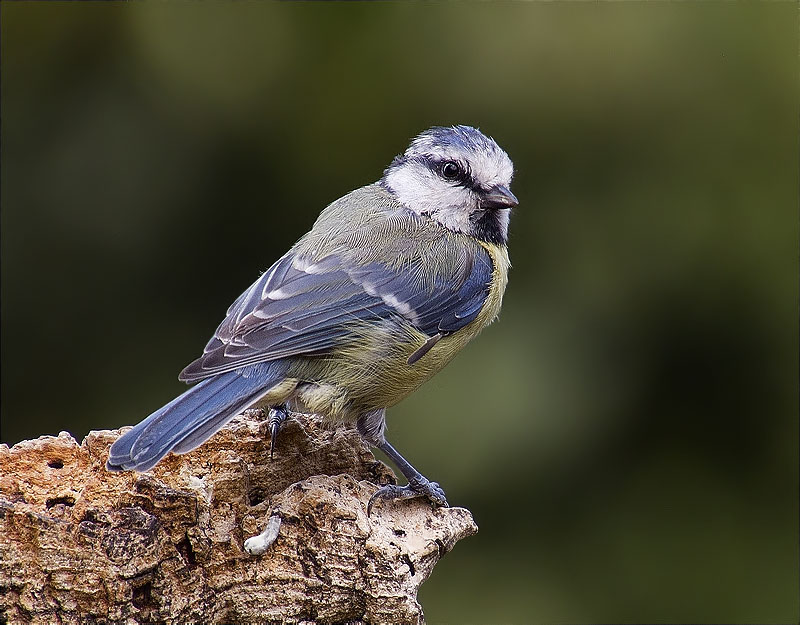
x=452, y=171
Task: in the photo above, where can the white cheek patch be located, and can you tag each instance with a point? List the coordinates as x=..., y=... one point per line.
x=413, y=185
x=453, y=218
x=425, y=193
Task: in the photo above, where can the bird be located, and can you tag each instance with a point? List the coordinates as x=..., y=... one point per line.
x=390, y=283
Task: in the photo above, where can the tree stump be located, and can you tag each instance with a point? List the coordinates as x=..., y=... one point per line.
x=78, y=543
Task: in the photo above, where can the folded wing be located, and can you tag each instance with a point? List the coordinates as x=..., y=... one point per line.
x=305, y=306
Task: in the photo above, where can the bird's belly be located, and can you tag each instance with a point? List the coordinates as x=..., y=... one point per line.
x=368, y=372
x=372, y=371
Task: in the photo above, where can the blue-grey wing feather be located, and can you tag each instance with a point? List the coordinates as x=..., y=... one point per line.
x=297, y=308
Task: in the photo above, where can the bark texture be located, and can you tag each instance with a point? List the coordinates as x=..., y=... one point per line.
x=80, y=544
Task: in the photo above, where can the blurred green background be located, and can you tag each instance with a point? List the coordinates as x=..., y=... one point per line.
x=626, y=435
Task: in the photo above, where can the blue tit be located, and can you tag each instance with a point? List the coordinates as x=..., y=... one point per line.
x=391, y=282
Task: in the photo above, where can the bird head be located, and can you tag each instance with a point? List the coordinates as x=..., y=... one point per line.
x=458, y=177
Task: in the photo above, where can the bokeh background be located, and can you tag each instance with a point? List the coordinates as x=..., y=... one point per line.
x=626, y=436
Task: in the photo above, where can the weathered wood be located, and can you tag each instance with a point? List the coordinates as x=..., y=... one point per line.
x=79, y=544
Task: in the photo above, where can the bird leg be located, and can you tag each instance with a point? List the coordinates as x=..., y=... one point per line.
x=277, y=415
x=372, y=426
x=418, y=485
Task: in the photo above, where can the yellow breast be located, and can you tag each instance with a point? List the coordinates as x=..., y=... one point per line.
x=501, y=262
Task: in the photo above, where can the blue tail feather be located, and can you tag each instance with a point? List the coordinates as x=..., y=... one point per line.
x=192, y=418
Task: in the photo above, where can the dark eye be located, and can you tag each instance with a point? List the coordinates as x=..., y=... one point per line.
x=451, y=170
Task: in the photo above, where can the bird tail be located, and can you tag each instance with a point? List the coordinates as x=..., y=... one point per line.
x=192, y=418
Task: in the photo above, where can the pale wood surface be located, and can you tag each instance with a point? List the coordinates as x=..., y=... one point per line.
x=79, y=544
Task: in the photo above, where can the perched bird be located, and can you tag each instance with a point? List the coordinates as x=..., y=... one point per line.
x=391, y=282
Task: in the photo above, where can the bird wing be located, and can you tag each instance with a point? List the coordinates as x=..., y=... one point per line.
x=306, y=306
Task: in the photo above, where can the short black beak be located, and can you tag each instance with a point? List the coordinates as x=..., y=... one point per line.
x=499, y=197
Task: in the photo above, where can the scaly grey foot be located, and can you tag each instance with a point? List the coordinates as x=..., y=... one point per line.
x=417, y=488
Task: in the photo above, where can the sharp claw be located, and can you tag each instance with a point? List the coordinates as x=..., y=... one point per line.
x=277, y=416
x=273, y=434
